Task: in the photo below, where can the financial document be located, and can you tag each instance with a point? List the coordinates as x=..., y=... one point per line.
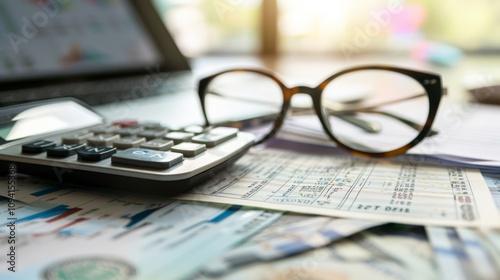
x=390, y=251
x=464, y=253
x=50, y=231
x=403, y=191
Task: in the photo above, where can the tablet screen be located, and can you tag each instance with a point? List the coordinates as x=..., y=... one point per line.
x=50, y=38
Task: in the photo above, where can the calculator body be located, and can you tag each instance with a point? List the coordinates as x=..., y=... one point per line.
x=25, y=129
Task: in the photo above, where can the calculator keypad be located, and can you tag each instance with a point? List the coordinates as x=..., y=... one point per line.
x=133, y=144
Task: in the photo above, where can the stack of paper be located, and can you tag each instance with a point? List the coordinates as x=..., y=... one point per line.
x=370, y=222
x=467, y=134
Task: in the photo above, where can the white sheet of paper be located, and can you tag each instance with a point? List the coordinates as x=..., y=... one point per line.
x=349, y=187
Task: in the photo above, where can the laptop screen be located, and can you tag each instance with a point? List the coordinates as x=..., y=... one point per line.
x=51, y=38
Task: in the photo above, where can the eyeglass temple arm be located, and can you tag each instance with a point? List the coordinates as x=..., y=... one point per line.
x=409, y=123
x=373, y=127
x=347, y=114
x=351, y=118
x=366, y=125
x=356, y=108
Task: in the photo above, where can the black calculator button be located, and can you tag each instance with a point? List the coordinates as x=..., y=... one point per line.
x=189, y=149
x=147, y=158
x=216, y=136
x=128, y=142
x=158, y=144
x=96, y=153
x=179, y=137
x=102, y=139
x=78, y=138
x=65, y=150
x=38, y=146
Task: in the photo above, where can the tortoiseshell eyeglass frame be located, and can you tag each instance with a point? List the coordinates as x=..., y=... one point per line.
x=429, y=81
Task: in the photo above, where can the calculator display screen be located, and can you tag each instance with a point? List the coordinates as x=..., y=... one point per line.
x=44, y=118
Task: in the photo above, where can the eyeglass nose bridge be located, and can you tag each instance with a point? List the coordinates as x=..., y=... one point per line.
x=313, y=92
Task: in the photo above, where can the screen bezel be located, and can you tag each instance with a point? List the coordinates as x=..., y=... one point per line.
x=171, y=57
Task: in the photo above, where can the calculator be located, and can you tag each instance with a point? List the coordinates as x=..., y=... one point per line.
x=66, y=141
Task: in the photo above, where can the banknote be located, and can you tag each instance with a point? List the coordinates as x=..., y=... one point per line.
x=287, y=240
x=462, y=253
x=385, y=252
x=492, y=179
x=481, y=256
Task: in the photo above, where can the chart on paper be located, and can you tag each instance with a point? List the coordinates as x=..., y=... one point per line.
x=57, y=228
x=345, y=186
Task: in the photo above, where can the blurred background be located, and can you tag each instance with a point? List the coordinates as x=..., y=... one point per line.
x=349, y=28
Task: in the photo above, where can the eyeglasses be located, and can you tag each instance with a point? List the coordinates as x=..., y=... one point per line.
x=371, y=111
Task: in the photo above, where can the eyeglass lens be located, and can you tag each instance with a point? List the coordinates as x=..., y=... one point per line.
x=390, y=111
x=247, y=100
